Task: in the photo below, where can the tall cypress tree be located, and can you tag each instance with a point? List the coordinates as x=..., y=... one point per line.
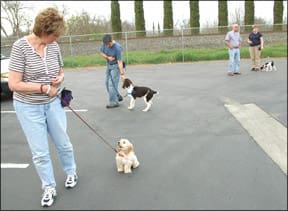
x=222, y=15
x=249, y=15
x=115, y=18
x=194, y=16
x=168, y=17
x=139, y=18
x=277, y=14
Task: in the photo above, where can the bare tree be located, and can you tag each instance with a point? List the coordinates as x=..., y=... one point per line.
x=260, y=21
x=185, y=24
x=128, y=26
x=84, y=23
x=64, y=10
x=14, y=17
x=237, y=16
x=3, y=30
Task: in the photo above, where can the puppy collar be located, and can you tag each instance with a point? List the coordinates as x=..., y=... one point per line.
x=121, y=155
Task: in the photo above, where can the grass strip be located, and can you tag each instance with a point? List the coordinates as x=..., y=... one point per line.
x=167, y=56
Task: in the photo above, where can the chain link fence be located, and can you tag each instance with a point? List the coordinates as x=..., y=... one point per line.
x=155, y=41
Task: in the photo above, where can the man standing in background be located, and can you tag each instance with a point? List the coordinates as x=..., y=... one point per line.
x=112, y=52
x=233, y=42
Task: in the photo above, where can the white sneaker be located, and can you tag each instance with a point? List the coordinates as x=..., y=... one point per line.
x=71, y=181
x=48, y=196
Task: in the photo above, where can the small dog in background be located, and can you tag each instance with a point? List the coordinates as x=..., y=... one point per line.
x=268, y=66
x=126, y=158
x=138, y=92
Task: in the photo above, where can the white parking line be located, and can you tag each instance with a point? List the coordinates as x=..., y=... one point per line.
x=23, y=165
x=270, y=134
x=77, y=110
x=14, y=165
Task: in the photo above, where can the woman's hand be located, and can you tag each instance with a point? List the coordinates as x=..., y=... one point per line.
x=50, y=90
x=58, y=80
x=53, y=92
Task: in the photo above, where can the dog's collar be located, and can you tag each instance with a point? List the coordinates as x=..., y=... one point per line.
x=121, y=155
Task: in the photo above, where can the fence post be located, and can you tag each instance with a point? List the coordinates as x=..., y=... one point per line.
x=182, y=42
x=126, y=41
x=71, y=48
x=70, y=43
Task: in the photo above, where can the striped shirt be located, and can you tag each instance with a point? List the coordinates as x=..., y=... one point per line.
x=35, y=69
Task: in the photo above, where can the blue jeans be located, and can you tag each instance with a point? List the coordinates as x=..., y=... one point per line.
x=234, y=60
x=37, y=122
x=112, y=86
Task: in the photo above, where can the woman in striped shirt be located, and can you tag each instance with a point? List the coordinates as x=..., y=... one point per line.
x=35, y=77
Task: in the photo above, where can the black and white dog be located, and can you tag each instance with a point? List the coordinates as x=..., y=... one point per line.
x=138, y=92
x=268, y=66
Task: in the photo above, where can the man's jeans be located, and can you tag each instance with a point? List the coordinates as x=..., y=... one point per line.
x=113, y=73
x=234, y=60
x=37, y=122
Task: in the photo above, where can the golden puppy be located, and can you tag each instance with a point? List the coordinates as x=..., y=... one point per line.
x=126, y=158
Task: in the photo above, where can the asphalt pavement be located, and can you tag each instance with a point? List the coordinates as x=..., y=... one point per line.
x=193, y=153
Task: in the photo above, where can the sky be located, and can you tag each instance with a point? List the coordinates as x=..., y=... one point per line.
x=153, y=10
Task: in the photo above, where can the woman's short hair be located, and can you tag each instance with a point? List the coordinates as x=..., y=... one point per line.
x=49, y=21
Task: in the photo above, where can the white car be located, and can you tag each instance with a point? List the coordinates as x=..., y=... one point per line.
x=4, y=76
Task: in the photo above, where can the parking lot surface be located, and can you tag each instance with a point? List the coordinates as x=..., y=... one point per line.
x=193, y=153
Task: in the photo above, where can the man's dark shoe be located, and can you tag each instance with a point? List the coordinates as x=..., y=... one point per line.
x=120, y=98
x=237, y=73
x=112, y=106
x=253, y=69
